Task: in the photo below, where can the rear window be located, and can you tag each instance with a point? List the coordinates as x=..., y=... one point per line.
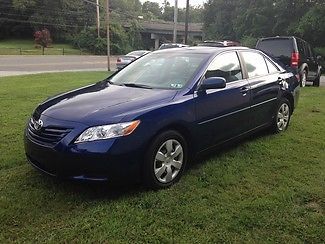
x=276, y=47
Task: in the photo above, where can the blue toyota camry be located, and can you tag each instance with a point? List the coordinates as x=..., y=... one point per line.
x=148, y=119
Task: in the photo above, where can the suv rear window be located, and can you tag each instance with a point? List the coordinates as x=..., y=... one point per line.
x=276, y=47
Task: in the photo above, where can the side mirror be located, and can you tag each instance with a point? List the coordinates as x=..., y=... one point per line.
x=213, y=83
x=319, y=58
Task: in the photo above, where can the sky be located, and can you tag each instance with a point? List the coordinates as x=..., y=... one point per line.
x=181, y=3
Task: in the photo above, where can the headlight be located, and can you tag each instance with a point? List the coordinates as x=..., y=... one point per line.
x=107, y=131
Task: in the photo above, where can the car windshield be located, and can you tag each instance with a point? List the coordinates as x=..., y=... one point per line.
x=160, y=70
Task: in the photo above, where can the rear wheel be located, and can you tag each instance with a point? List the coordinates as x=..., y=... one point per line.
x=282, y=116
x=303, y=78
x=165, y=160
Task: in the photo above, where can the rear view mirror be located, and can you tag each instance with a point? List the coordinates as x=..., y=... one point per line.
x=213, y=83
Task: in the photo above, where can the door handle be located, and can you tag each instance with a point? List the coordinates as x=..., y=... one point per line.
x=244, y=90
x=280, y=81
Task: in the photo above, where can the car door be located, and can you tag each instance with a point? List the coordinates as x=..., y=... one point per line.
x=223, y=113
x=265, y=86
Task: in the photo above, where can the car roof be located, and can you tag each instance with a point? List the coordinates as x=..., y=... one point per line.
x=202, y=49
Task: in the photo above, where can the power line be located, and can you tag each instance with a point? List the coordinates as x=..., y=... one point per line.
x=37, y=22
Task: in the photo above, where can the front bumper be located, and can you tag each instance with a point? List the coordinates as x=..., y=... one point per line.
x=111, y=159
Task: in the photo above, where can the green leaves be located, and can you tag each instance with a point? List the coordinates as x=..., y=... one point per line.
x=241, y=18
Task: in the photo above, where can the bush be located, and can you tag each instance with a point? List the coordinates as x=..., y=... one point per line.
x=88, y=40
x=121, y=41
x=248, y=41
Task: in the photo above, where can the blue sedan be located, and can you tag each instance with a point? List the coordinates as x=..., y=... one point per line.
x=147, y=120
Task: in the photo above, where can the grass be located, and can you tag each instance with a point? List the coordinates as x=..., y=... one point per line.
x=13, y=46
x=268, y=188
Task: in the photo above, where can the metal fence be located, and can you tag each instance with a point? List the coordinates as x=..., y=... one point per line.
x=40, y=51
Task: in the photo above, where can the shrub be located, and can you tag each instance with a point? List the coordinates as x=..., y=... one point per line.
x=88, y=40
x=121, y=41
x=248, y=41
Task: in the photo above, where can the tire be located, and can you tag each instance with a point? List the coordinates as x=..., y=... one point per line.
x=316, y=81
x=166, y=160
x=282, y=116
x=303, y=78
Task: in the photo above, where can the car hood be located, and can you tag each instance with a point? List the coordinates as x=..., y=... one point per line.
x=101, y=103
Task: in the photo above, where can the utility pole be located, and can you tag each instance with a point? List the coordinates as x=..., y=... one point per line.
x=175, y=21
x=107, y=33
x=98, y=20
x=186, y=20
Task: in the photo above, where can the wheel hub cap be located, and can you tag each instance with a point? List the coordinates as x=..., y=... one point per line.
x=283, y=117
x=168, y=161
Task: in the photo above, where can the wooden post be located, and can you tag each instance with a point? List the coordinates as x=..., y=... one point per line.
x=107, y=34
x=186, y=21
x=98, y=18
x=175, y=21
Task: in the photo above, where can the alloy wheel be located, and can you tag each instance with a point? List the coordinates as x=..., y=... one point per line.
x=168, y=161
x=283, y=117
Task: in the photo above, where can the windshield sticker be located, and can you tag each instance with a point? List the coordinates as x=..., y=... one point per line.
x=175, y=85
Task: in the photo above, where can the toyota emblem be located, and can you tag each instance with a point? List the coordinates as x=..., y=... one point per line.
x=38, y=124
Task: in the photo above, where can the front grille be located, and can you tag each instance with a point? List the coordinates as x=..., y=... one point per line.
x=48, y=136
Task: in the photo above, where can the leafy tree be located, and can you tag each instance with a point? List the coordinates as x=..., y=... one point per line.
x=250, y=19
x=43, y=38
x=153, y=8
x=312, y=25
x=218, y=17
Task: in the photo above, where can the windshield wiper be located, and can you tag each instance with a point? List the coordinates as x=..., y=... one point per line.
x=137, y=85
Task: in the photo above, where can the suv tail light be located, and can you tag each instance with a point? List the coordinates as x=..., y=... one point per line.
x=295, y=60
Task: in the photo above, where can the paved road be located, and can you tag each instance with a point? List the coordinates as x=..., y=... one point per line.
x=19, y=65
x=15, y=65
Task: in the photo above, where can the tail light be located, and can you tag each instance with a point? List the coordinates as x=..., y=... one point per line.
x=295, y=60
x=118, y=60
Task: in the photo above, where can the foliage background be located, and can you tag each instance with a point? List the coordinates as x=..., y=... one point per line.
x=74, y=21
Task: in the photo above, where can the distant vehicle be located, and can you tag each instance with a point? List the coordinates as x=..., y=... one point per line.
x=171, y=45
x=219, y=43
x=146, y=121
x=128, y=58
x=295, y=53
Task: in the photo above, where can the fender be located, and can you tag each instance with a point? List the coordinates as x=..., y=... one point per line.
x=303, y=67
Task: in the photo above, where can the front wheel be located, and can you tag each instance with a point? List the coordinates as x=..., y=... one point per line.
x=165, y=160
x=282, y=116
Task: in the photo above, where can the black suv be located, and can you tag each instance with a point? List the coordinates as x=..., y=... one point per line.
x=295, y=53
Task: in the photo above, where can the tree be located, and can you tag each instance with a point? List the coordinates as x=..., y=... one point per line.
x=43, y=38
x=250, y=19
x=153, y=8
x=311, y=26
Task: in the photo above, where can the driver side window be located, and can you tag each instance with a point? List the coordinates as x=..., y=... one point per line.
x=225, y=65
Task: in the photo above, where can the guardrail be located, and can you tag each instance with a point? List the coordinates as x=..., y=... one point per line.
x=40, y=51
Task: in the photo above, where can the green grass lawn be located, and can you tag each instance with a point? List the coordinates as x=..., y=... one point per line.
x=12, y=47
x=265, y=189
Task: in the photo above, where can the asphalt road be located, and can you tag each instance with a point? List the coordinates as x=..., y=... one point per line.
x=19, y=65
x=16, y=65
